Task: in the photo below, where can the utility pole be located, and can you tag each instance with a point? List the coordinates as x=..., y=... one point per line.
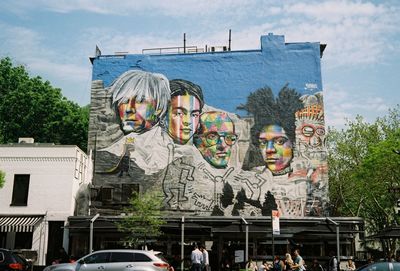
x=337, y=237
x=91, y=232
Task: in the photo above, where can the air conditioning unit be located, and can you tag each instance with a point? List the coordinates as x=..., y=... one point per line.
x=26, y=140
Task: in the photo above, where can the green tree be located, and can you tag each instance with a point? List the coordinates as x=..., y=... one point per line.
x=363, y=167
x=144, y=218
x=31, y=107
x=2, y=178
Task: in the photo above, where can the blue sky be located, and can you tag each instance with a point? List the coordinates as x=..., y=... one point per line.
x=360, y=66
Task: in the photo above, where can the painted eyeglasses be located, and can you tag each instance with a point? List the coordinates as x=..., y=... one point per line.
x=213, y=138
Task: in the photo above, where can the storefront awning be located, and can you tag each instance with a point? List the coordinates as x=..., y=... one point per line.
x=19, y=223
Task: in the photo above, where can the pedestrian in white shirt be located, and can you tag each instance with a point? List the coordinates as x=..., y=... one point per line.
x=197, y=259
x=206, y=261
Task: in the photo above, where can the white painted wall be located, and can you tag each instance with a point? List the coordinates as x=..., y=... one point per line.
x=56, y=173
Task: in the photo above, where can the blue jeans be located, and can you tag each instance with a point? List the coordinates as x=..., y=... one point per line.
x=196, y=267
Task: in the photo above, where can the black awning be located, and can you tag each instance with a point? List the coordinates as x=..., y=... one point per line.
x=389, y=232
x=19, y=223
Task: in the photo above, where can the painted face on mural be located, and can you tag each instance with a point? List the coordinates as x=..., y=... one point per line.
x=216, y=139
x=276, y=148
x=311, y=133
x=183, y=118
x=137, y=115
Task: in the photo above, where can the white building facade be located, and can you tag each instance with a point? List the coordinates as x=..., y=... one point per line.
x=44, y=185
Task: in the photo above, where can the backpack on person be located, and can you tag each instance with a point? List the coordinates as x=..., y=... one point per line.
x=331, y=265
x=277, y=266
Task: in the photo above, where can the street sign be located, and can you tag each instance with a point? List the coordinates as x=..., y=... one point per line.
x=275, y=222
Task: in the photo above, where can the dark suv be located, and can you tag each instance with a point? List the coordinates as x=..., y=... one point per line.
x=11, y=261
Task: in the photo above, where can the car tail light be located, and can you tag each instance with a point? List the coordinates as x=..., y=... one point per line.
x=16, y=266
x=161, y=265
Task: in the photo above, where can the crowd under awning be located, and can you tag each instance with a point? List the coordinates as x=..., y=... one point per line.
x=19, y=223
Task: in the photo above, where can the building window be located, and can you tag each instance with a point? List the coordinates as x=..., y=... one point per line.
x=127, y=190
x=23, y=240
x=106, y=194
x=20, y=190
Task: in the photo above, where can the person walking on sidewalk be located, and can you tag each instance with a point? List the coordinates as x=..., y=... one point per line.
x=206, y=260
x=298, y=261
x=197, y=258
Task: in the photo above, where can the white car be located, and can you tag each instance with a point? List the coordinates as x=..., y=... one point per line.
x=381, y=266
x=116, y=259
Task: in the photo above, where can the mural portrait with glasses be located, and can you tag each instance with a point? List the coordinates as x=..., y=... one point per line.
x=215, y=138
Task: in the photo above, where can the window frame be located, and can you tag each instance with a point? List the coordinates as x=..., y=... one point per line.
x=20, y=181
x=131, y=256
x=96, y=255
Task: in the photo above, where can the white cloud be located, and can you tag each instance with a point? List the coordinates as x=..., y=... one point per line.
x=28, y=48
x=358, y=33
x=335, y=11
x=340, y=104
x=126, y=8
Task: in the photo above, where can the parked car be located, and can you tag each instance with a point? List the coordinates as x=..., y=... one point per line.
x=11, y=261
x=116, y=259
x=380, y=266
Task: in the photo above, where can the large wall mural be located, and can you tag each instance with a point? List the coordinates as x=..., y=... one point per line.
x=151, y=131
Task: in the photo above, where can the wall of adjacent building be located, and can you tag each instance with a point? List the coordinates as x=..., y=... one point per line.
x=59, y=178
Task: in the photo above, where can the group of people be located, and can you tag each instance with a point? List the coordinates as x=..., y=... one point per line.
x=297, y=264
x=278, y=264
x=200, y=259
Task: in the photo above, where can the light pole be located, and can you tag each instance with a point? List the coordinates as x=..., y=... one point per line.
x=337, y=237
x=91, y=232
x=247, y=240
x=182, y=242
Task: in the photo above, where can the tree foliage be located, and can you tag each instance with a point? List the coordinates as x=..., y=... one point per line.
x=31, y=107
x=363, y=167
x=2, y=178
x=144, y=218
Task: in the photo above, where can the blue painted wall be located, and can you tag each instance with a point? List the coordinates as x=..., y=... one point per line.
x=277, y=160
x=227, y=78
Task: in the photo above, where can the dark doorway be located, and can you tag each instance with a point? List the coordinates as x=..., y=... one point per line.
x=56, y=233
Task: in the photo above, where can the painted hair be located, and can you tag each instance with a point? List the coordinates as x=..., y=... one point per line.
x=180, y=87
x=206, y=116
x=142, y=85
